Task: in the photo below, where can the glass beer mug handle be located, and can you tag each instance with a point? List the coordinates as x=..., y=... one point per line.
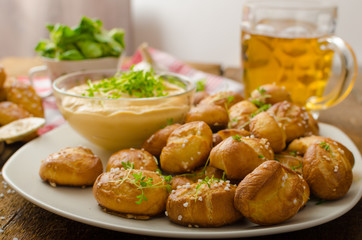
x=346, y=78
x=33, y=72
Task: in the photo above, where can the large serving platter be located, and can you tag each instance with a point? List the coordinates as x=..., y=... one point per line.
x=21, y=173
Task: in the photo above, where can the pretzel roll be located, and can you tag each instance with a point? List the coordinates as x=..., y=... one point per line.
x=240, y=156
x=2, y=76
x=25, y=95
x=2, y=81
x=293, y=118
x=208, y=203
x=327, y=171
x=225, y=133
x=261, y=146
x=199, y=96
x=224, y=99
x=187, y=148
x=264, y=125
x=72, y=166
x=271, y=94
x=291, y=160
x=10, y=112
x=215, y=116
x=300, y=146
x=2, y=94
x=131, y=193
x=216, y=139
x=240, y=114
x=271, y=194
x=210, y=172
x=158, y=140
x=180, y=181
x=312, y=125
x=141, y=159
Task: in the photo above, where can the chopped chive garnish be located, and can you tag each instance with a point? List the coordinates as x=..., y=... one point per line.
x=237, y=138
x=325, y=146
x=138, y=83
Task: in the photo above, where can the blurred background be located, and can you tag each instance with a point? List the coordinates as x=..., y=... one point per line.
x=192, y=30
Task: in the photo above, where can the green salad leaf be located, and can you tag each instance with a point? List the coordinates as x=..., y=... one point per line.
x=86, y=41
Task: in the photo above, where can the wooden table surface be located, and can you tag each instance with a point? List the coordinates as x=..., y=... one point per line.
x=20, y=219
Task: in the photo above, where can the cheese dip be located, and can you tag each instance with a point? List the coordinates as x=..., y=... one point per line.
x=124, y=122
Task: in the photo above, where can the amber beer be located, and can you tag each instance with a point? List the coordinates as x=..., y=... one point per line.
x=302, y=65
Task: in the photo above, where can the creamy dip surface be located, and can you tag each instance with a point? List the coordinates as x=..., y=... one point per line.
x=170, y=89
x=120, y=123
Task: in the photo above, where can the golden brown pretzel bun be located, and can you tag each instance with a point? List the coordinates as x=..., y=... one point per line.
x=10, y=112
x=72, y=166
x=293, y=118
x=271, y=194
x=2, y=76
x=198, y=205
x=180, y=181
x=300, y=146
x=187, y=148
x=2, y=81
x=264, y=125
x=202, y=173
x=119, y=191
x=141, y=159
x=327, y=171
x=240, y=156
x=224, y=99
x=210, y=172
x=199, y=96
x=291, y=160
x=158, y=140
x=225, y=133
x=312, y=126
x=215, y=116
x=271, y=93
x=25, y=95
x=240, y=114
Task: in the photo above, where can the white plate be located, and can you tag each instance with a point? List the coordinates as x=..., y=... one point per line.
x=21, y=172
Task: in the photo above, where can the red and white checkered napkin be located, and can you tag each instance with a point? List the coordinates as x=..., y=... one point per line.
x=52, y=114
x=163, y=60
x=168, y=63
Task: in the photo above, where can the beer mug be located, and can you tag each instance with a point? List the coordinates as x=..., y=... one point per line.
x=291, y=44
